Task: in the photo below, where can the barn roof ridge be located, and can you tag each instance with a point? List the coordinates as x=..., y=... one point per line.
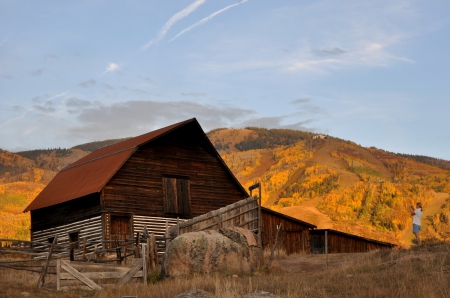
x=288, y=217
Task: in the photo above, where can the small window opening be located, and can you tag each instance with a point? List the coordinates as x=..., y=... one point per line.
x=74, y=237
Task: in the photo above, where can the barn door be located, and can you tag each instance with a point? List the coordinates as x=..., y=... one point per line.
x=120, y=228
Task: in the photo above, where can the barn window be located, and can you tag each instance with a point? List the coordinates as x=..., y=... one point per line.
x=74, y=237
x=176, y=195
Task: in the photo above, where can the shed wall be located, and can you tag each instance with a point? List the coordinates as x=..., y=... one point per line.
x=293, y=236
x=338, y=243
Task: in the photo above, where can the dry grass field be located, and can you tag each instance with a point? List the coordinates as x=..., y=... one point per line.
x=416, y=272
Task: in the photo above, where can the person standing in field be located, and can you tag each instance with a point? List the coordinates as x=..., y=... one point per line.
x=417, y=220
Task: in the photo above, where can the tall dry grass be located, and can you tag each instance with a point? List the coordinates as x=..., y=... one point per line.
x=418, y=272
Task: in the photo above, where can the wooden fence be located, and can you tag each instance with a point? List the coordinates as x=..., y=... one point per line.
x=245, y=213
x=52, y=258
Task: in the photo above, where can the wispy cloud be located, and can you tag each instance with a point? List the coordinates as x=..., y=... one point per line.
x=111, y=67
x=37, y=72
x=175, y=18
x=87, y=84
x=203, y=21
x=31, y=109
x=300, y=101
x=193, y=94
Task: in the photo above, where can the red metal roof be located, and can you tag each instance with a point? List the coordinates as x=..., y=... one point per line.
x=91, y=173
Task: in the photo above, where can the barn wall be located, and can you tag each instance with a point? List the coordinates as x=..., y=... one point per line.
x=65, y=213
x=138, y=188
x=90, y=228
x=293, y=236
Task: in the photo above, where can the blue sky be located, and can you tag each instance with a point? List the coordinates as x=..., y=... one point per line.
x=373, y=72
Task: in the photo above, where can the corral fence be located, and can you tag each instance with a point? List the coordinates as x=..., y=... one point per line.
x=73, y=266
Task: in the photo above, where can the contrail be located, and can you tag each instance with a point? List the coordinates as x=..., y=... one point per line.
x=175, y=18
x=30, y=109
x=201, y=22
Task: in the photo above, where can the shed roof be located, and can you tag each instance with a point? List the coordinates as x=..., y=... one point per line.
x=91, y=173
x=320, y=231
x=311, y=226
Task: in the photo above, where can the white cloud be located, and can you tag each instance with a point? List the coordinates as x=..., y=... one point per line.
x=175, y=18
x=111, y=67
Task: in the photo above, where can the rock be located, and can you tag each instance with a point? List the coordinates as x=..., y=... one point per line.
x=26, y=294
x=260, y=294
x=195, y=294
x=231, y=251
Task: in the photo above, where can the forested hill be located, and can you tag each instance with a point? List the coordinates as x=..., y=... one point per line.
x=335, y=183
x=327, y=181
x=227, y=140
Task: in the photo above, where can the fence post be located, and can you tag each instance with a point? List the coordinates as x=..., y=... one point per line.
x=41, y=279
x=137, y=252
x=259, y=216
x=167, y=235
x=326, y=248
x=144, y=263
x=219, y=220
x=84, y=249
x=58, y=274
x=154, y=251
x=274, y=245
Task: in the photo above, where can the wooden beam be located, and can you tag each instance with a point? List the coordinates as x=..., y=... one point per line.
x=41, y=279
x=130, y=273
x=79, y=276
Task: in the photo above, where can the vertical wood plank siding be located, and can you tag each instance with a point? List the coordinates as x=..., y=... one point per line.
x=293, y=237
x=342, y=243
x=91, y=229
x=138, y=186
x=65, y=213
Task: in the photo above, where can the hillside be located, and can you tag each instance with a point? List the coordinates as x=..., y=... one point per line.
x=338, y=184
x=329, y=182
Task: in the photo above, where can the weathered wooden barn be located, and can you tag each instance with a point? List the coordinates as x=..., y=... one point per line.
x=340, y=242
x=294, y=235
x=173, y=172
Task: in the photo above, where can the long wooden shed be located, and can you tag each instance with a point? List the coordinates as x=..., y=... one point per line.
x=340, y=242
x=294, y=235
x=150, y=180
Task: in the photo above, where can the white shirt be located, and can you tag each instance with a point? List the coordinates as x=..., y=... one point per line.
x=417, y=218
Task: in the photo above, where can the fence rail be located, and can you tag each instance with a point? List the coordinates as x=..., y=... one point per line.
x=245, y=213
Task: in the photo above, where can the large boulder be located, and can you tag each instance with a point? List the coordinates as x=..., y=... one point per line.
x=231, y=251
